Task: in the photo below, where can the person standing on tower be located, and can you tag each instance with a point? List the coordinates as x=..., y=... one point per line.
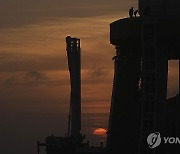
x=131, y=12
x=135, y=13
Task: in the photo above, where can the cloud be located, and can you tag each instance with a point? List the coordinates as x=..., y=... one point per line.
x=34, y=76
x=98, y=72
x=12, y=81
x=29, y=78
x=23, y=62
x=23, y=12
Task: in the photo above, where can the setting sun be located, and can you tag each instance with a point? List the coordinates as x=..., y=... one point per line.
x=100, y=131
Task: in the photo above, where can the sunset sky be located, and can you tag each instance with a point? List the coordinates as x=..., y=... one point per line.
x=34, y=77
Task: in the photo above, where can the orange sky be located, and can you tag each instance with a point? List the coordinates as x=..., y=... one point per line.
x=34, y=79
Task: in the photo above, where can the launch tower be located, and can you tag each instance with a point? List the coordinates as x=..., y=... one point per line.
x=73, y=54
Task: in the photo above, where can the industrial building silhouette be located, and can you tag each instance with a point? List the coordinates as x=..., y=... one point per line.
x=139, y=98
x=139, y=104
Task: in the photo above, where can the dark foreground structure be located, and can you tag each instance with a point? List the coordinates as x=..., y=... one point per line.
x=139, y=99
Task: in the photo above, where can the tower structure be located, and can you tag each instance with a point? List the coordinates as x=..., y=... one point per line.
x=73, y=140
x=139, y=103
x=74, y=54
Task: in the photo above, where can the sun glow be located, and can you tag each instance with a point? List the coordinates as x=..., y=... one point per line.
x=100, y=131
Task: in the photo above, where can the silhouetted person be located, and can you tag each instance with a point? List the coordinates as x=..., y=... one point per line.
x=147, y=11
x=135, y=13
x=131, y=12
